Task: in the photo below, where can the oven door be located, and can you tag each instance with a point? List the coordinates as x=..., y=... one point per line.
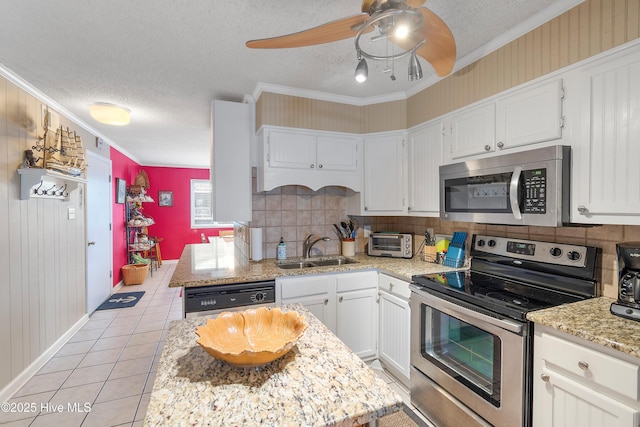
x=476, y=361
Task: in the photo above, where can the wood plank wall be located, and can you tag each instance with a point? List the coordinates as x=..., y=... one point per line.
x=42, y=253
x=586, y=30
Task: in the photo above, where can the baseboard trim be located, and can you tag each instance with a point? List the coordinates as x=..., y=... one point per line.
x=11, y=388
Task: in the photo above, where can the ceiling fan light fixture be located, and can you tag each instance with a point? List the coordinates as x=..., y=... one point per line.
x=415, y=69
x=362, y=70
x=110, y=114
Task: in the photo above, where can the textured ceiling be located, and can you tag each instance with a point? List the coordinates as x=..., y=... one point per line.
x=167, y=60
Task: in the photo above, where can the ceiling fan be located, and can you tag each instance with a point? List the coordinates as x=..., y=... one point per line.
x=425, y=35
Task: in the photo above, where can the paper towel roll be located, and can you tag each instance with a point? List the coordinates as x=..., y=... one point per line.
x=256, y=244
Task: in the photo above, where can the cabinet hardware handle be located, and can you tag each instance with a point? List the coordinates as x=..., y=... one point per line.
x=390, y=285
x=487, y=147
x=583, y=365
x=500, y=144
x=320, y=166
x=312, y=165
x=91, y=243
x=340, y=299
x=366, y=208
x=582, y=209
x=326, y=301
x=544, y=377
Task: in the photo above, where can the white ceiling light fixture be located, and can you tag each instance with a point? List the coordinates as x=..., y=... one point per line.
x=110, y=114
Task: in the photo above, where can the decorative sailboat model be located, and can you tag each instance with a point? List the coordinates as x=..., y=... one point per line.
x=67, y=153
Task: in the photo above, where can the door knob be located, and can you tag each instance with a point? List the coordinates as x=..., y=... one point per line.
x=91, y=243
x=544, y=377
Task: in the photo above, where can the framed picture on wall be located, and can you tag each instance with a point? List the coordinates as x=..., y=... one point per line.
x=165, y=198
x=121, y=190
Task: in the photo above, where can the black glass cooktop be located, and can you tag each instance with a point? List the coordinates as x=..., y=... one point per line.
x=499, y=295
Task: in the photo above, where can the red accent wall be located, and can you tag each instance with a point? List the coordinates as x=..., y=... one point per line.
x=172, y=223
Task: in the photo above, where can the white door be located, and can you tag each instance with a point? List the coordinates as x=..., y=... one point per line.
x=99, y=236
x=394, y=343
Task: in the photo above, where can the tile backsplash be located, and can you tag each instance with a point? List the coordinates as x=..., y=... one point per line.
x=293, y=212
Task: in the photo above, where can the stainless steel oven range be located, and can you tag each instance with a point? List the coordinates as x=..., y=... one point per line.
x=471, y=345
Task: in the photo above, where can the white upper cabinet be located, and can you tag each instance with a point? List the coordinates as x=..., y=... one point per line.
x=424, y=159
x=472, y=132
x=384, y=176
x=311, y=158
x=530, y=116
x=291, y=150
x=231, y=161
x=606, y=177
x=520, y=117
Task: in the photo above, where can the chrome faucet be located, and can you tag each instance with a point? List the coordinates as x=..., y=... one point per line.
x=308, y=243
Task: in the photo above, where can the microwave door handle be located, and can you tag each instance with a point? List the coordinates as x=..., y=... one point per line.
x=513, y=192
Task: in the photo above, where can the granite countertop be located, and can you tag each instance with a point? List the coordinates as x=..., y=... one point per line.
x=591, y=320
x=215, y=264
x=319, y=382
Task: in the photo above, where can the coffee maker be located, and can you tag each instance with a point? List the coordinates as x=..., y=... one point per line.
x=628, y=304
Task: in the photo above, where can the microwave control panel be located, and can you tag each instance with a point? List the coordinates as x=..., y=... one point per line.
x=535, y=191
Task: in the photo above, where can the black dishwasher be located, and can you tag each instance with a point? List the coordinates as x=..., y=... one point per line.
x=207, y=300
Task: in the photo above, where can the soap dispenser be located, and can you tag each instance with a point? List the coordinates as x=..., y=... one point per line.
x=282, y=250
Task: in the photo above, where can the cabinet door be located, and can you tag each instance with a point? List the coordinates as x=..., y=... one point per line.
x=384, y=174
x=321, y=306
x=357, y=315
x=530, y=116
x=424, y=158
x=606, y=172
x=395, y=324
x=472, y=132
x=336, y=153
x=562, y=402
x=291, y=149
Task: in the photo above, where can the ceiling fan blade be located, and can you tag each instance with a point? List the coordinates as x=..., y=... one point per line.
x=325, y=33
x=439, y=48
x=415, y=3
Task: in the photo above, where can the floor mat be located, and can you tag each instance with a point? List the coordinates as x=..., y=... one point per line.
x=404, y=418
x=122, y=300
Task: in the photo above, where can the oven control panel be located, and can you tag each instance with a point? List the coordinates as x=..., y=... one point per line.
x=552, y=253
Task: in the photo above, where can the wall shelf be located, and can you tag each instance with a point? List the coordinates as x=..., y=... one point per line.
x=46, y=184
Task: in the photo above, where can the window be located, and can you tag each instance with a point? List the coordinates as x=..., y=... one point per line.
x=202, y=206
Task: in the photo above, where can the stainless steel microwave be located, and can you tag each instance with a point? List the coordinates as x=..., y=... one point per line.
x=525, y=188
x=395, y=245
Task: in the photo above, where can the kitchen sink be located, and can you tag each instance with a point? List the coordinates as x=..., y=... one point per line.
x=309, y=263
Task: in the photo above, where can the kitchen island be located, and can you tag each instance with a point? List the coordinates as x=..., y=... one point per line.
x=320, y=382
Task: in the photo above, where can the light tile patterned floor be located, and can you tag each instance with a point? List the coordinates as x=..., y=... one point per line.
x=110, y=364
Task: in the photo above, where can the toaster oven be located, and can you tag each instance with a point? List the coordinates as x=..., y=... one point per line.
x=394, y=245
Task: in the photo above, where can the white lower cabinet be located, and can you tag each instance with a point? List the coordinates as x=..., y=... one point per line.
x=345, y=302
x=577, y=383
x=395, y=323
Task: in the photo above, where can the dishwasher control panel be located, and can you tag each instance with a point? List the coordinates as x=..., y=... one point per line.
x=214, y=299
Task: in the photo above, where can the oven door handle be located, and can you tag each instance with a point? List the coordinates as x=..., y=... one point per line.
x=464, y=313
x=513, y=192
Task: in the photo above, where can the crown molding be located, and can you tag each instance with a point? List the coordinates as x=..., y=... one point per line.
x=40, y=96
x=325, y=96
